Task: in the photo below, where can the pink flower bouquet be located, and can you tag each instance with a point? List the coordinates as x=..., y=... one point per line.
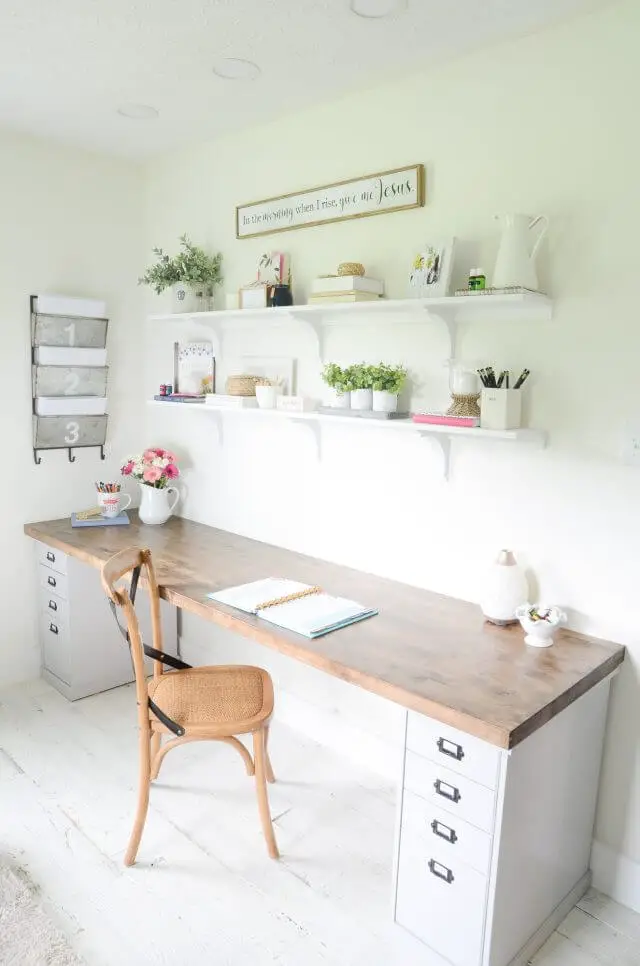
x=155, y=467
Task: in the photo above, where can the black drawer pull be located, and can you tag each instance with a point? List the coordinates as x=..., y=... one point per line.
x=53, y=605
x=447, y=791
x=450, y=748
x=52, y=581
x=51, y=556
x=441, y=871
x=53, y=628
x=443, y=831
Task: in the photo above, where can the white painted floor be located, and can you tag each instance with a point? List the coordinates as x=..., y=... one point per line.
x=204, y=891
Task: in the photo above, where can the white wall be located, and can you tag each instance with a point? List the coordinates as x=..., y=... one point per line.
x=71, y=223
x=537, y=125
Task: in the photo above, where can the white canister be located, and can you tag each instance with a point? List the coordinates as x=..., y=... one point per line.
x=464, y=382
x=505, y=589
x=385, y=402
x=361, y=398
x=501, y=409
x=266, y=396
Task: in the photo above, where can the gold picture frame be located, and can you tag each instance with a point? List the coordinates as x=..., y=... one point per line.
x=383, y=181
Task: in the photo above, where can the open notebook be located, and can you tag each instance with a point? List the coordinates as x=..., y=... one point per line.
x=311, y=612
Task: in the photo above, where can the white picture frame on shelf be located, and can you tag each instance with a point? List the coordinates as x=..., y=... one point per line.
x=279, y=370
x=431, y=271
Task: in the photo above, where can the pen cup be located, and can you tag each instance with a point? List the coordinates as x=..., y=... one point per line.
x=111, y=504
x=500, y=409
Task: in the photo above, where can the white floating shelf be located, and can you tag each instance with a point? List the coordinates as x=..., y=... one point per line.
x=452, y=310
x=443, y=435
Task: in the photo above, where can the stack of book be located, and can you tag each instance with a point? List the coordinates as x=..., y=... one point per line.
x=345, y=288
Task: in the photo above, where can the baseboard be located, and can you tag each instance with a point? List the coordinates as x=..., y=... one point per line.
x=616, y=875
x=562, y=910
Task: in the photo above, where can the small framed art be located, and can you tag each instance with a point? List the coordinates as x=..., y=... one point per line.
x=253, y=296
x=430, y=275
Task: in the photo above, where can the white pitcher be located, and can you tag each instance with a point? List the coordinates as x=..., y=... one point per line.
x=155, y=507
x=515, y=264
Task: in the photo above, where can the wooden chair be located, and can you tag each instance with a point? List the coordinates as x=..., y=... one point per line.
x=194, y=704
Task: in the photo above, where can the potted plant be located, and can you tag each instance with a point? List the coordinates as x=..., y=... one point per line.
x=192, y=273
x=361, y=385
x=338, y=381
x=387, y=383
x=154, y=470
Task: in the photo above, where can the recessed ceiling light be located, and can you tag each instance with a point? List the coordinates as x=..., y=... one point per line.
x=232, y=68
x=138, y=112
x=376, y=9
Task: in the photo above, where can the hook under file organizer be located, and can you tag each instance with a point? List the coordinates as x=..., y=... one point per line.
x=60, y=334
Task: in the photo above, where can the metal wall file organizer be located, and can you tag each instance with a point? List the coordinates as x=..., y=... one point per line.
x=69, y=379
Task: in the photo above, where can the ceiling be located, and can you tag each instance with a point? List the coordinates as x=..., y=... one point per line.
x=66, y=66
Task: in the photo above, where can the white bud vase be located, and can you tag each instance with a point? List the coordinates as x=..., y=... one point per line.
x=505, y=589
x=155, y=506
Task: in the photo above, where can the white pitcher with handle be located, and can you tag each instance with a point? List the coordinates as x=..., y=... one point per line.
x=516, y=261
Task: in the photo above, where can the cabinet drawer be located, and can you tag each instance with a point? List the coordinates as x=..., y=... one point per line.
x=52, y=582
x=454, y=794
x=462, y=753
x=448, y=837
x=442, y=904
x=50, y=557
x=53, y=607
x=56, y=649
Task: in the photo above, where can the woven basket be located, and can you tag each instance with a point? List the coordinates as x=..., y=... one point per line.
x=350, y=268
x=243, y=385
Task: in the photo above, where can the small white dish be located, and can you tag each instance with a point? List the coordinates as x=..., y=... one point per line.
x=540, y=621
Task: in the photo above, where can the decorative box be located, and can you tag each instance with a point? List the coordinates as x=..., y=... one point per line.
x=296, y=404
x=501, y=408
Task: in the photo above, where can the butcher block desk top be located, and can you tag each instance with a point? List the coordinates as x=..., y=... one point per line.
x=433, y=654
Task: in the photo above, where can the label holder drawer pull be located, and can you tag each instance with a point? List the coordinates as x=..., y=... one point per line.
x=53, y=605
x=52, y=581
x=450, y=748
x=53, y=628
x=441, y=871
x=450, y=792
x=51, y=557
x=444, y=831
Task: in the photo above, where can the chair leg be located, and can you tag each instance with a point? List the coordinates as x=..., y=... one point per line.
x=155, y=749
x=267, y=760
x=259, y=756
x=143, y=797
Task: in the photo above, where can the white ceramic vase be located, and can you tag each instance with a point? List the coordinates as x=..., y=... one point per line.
x=188, y=297
x=266, y=396
x=361, y=398
x=384, y=402
x=505, y=589
x=155, y=506
x=338, y=400
x=516, y=261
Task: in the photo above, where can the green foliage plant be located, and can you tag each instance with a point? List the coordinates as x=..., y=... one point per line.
x=387, y=378
x=336, y=377
x=191, y=265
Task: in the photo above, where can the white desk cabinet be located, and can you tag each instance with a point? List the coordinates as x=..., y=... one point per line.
x=493, y=846
x=82, y=651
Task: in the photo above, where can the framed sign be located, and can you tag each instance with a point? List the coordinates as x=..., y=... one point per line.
x=372, y=194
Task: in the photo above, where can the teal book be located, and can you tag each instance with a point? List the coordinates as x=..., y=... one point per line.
x=295, y=606
x=121, y=520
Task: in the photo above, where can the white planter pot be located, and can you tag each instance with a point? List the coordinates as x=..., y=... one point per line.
x=155, y=506
x=266, y=396
x=191, y=298
x=384, y=402
x=338, y=400
x=361, y=398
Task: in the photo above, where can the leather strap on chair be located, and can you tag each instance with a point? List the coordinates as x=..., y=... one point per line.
x=151, y=652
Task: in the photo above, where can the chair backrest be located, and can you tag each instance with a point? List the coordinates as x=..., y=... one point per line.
x=122, y=565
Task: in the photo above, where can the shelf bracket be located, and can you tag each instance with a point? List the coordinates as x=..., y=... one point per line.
x=314, y=323
x=314, y=428
x=452, y=328
x=219, y=424
x=444, y=442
